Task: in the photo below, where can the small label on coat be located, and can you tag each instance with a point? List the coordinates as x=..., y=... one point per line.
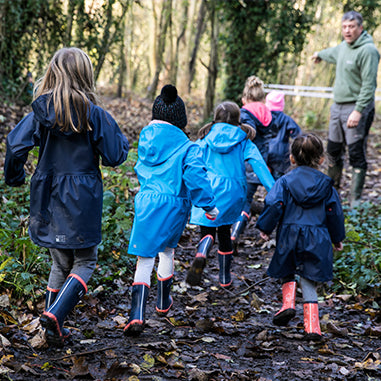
x=61, y=238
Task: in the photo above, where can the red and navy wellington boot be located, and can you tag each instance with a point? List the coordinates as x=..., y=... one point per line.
x=136, y=321
x=225, y=260
x=53, y=318
x=287, y=312
x=195, y=272
x=311, y=321
x=237, y=229
x=164, y=299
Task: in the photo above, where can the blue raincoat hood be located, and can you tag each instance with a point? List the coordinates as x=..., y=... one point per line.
x=223, y=137
x=158, y=142
x=308, y=186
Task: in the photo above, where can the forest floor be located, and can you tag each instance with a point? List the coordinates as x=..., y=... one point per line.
x=210, y=333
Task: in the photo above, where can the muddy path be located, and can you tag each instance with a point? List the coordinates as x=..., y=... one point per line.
x=210, y=333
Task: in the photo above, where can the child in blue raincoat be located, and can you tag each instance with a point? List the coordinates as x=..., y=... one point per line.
x=226, y=145
x=306, y=208
x=255, y=113
x=278, y=158
x=172, y=175
x=66, y=190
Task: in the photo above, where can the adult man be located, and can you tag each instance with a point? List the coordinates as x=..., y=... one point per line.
x=352, y=112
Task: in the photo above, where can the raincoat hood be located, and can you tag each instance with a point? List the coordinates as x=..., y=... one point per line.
x=46, y=115
x=308, y=186
x=260, y=111
x=363, y=39
x=223, y=137
x=159, y=141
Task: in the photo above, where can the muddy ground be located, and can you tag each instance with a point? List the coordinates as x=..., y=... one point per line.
x=210, y=333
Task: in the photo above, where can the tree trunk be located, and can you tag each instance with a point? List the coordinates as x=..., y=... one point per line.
x=159, y=45
x=196, y=45
x=108, y=38
x=213, y=62
x=122, y=67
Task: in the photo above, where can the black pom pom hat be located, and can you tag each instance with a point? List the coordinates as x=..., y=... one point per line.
x=168, y=106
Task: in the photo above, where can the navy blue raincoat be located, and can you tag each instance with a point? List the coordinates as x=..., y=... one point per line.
x=308, y=212
x=225, y=149
x=66, y=189
x=172, y=176
x=279, y=146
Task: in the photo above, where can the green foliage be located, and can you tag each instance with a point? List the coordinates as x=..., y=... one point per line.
x=24, y=267
x=358, y=267
x=258, y=35
x=32, y=30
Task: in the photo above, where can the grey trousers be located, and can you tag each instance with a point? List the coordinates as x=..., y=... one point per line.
x=81, y=262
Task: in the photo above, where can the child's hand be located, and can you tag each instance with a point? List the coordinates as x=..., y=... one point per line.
x=338, y=246
x=264, y=236
x=212, y=214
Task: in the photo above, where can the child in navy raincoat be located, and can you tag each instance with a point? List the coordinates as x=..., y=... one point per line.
x=66, y=194
x=254, y=113
x=172, y=175
x=226, y=146
x=307, y=210
x=278, y=158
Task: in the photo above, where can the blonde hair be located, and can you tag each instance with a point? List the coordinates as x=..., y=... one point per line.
x=227, y=112
x=253, y=90
x=69, y=80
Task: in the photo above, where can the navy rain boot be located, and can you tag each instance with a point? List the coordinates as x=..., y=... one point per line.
x=164, y=299
x=52, y=319
x=237, y=229
x=135, y=324
x=225, y=260
x=195, y=272
x=50, y=297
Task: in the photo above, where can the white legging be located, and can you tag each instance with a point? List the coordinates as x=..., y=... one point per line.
x=165, y=269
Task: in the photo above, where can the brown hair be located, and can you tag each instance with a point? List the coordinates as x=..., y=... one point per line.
x=307, y=149
x=69, y=79
x=227, y=112
x=253, y=90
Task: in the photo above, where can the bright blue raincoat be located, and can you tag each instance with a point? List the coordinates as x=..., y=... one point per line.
x=66, y=191
x=225, y=149
x=308, y=212
x=172, y=175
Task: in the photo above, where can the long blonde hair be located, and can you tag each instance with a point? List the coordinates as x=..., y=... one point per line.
x=253, y=90
x=69, y=79
x=227, y=112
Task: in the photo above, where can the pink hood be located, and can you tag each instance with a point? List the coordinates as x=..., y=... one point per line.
x=260, y=111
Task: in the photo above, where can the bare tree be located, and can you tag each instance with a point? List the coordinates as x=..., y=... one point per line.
x=197, y=38
x=213, y=61
x=159, y=44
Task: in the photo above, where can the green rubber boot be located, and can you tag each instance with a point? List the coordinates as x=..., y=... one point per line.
x=357, y=185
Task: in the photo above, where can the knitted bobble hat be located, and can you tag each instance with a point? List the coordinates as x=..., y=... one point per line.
x=168, y=106
x=275, y=100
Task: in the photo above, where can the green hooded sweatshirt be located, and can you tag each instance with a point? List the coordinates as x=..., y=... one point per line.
x=356, y=70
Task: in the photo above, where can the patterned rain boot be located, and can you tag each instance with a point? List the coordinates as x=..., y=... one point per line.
x=52, y=319
x=164, y=299
x=136, y=321
x=311, y=321
x=195, y=272
x=50, y=297
x=225, y=260
x=237, y=229
x=287, y=312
